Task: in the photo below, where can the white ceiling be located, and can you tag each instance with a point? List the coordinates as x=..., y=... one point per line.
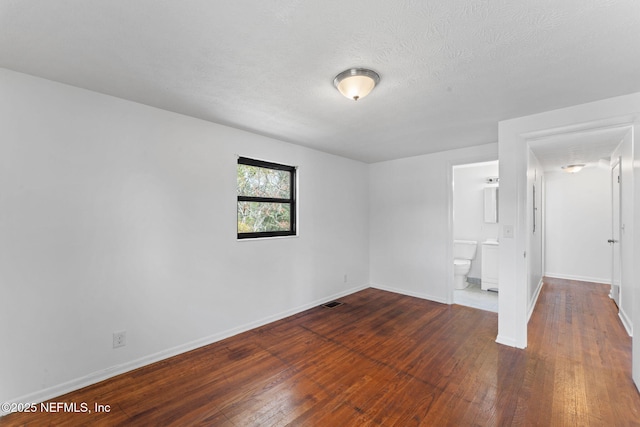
x=450, y=69
x=592, y=148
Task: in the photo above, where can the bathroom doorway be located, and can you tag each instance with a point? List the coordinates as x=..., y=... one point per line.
x=475, y=219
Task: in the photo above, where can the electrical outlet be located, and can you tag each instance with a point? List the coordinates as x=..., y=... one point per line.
x=119, y=339
x=345, y=278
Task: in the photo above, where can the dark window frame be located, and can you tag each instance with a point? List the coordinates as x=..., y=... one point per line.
x=291, y=200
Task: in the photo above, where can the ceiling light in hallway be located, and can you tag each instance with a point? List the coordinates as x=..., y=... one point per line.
x=573, y=168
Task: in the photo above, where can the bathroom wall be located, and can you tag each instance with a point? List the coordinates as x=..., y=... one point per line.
x=469, y=182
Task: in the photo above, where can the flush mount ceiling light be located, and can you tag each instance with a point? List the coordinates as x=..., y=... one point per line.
x=356, y=83
x=573, y=168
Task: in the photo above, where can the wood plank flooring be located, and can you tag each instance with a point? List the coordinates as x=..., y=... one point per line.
x=383, y=359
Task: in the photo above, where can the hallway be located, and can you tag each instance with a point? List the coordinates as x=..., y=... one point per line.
x=580, y=357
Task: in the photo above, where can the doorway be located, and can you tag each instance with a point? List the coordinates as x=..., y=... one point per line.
x=475, y=222
x=514, y=140
x=585, y=237
x=616, y=266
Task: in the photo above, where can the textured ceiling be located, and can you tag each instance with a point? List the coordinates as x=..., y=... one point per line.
x=450, y=69
x=592, y=148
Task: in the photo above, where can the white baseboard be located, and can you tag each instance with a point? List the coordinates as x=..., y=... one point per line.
x=626, y=322
x=534, y=301
x=606, y=281
x=410, y=294
x=112, y=371
x=509, y=342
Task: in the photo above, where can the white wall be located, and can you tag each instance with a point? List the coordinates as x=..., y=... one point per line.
x=117, y=216
x=578, y=219
x=625, y=152
x=411, y=228
x=535, y=179
x=634, y=238
x=469, y=182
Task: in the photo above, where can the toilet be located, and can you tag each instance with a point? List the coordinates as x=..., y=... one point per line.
x=463, y=252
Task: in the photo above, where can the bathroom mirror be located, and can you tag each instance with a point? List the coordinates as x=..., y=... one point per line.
x=491, y=204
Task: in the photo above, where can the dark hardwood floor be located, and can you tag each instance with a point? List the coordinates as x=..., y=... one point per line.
x=390, y=360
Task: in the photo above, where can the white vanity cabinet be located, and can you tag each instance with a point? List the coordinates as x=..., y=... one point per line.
x=490, y=256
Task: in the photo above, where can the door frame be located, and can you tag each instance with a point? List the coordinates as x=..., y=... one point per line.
x=615, y=292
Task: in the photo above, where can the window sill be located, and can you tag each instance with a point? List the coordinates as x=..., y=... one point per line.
x=253, y=239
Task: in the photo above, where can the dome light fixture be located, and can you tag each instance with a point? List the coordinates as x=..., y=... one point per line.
x=573, y=168
x=356, y=83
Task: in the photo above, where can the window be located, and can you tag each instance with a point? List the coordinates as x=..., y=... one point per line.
x=266, y=199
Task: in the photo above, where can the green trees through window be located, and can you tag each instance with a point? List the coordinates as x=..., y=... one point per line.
x=266, y=199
